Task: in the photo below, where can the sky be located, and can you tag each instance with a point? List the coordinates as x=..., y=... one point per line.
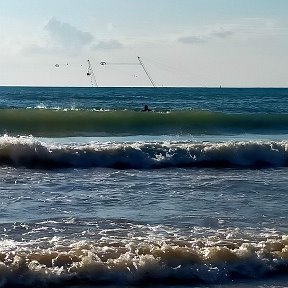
x=191, y=43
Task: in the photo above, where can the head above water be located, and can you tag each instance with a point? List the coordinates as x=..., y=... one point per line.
x=146, y=108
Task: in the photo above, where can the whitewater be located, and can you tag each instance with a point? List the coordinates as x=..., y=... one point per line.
x=96, y=193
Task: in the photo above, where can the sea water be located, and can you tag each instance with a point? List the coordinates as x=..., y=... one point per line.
x=96, y=193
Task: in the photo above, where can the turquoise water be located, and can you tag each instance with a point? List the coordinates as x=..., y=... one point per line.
x=96, y=193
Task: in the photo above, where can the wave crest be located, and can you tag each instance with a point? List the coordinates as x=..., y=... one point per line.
x=30, y=153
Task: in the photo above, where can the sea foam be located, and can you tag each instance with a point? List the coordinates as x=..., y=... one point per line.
x=216, y=259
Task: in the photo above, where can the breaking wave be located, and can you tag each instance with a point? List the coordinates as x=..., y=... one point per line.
x=224, y=256
x=30, y=153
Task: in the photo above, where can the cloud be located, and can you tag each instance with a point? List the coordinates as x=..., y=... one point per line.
x=111, y=27
x=221, y=33
x=62, y=38
x=192, y=40
x=207, y=36
x=66, y=35
x=108, y=45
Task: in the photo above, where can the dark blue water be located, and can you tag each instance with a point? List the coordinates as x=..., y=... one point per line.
x=227, y=100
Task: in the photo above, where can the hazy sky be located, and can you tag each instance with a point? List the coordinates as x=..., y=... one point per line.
x=238, y=43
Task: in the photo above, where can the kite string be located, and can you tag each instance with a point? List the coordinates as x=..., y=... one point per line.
x=105, y=63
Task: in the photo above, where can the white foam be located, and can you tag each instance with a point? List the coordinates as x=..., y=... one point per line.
x=29, y=152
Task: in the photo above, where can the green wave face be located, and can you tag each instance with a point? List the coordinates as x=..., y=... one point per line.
x=61, y=123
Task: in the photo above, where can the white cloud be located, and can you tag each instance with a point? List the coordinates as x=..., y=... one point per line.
x=62, y=38
x=66, y=35
x=206, y=36
x=221, y=33
x=194, y=39
x=111, y=27
x=108, y=45
x=246, y=28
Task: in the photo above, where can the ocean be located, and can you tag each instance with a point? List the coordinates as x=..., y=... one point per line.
x=96, y=193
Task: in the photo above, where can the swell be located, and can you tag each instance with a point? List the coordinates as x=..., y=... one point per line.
x=30, y=153
x=59, y=123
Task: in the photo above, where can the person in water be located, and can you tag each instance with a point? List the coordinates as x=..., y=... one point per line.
x=146, y=109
